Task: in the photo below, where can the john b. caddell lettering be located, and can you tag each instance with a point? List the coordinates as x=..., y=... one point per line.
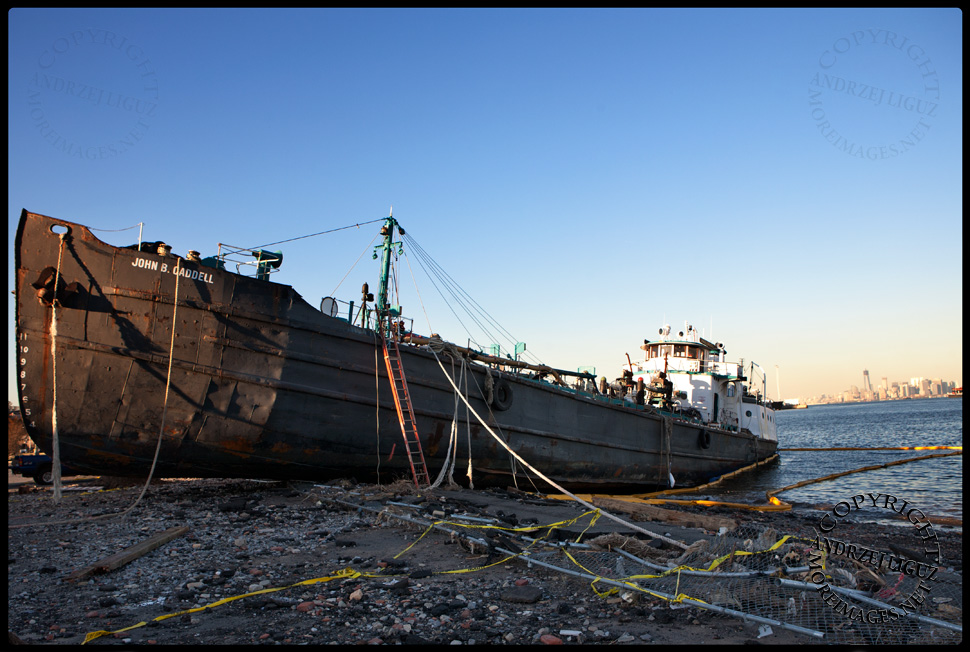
x=164, y=268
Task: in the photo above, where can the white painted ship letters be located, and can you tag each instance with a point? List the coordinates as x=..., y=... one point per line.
x=192, y=274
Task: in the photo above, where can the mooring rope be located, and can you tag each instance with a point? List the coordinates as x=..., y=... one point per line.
x=161, y=428
x=168, y=382
x=55, y=440
x=672, y=542
x=451, y=453
x=468, y=431
x=377, y=407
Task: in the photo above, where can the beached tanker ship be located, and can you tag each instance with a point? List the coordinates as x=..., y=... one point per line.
x=134, y=355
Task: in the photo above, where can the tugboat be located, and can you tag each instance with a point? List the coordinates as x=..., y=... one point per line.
x=690, y=378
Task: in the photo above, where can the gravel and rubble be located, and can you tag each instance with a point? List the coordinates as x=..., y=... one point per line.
x=314, y=570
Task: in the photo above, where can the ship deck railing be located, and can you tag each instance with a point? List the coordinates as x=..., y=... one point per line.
x=364, y=314
x=258, y=263
x=684, y=364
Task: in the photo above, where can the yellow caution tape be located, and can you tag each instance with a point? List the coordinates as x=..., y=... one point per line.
x=350, y=573
x=347, y=573
x=526, y=528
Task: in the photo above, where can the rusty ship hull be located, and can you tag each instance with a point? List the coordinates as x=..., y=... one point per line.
x=257, y=383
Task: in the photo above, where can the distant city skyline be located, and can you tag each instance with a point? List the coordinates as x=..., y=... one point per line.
x=915, y=387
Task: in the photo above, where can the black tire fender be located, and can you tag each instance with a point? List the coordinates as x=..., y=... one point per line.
x=502, y=395
x=704, y=439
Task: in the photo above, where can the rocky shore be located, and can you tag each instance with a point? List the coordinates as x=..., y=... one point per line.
x=263, y=562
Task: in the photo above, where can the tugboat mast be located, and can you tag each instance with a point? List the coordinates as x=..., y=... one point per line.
x=383, y=307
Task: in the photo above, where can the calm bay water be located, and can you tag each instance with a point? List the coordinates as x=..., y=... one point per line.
x=934, y=486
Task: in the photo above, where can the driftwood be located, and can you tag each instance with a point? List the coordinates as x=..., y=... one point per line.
x=654, y=513
x=119, y=559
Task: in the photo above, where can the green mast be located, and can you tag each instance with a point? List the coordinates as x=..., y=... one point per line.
x=383, y=307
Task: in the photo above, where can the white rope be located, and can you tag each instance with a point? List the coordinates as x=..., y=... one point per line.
x=489, y=385
x=55, y=439
x=168, y=382
x=451, y=455
x=668, y=425
x=377, y=408
x=453, y=441
x=468, y=429
x=56, y=458
x=487, y=393
x=673, y=542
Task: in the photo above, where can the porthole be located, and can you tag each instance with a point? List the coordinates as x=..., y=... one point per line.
x=747, y=413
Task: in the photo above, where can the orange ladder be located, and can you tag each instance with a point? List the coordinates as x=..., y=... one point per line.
x=405, y=412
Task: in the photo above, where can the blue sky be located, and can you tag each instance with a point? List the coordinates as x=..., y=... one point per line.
x=791, y=178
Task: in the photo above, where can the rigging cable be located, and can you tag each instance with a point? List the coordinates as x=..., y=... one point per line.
x=460, y=295
x=311, y=235
x=420, y=300
x=334, y=293
x=463, y=298
x=447, y=303
x=127, y=228
x=452, y=287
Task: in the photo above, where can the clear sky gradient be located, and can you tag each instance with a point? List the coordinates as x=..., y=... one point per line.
x=790, y=178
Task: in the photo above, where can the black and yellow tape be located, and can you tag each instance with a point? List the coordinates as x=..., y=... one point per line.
x=347, y=573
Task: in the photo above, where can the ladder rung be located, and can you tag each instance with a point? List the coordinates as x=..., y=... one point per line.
x=405, y=413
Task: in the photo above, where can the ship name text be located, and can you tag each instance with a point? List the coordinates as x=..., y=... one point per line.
x=165, y=268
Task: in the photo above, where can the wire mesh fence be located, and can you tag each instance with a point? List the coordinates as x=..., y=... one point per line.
x=754, y=573
x=768, y=577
